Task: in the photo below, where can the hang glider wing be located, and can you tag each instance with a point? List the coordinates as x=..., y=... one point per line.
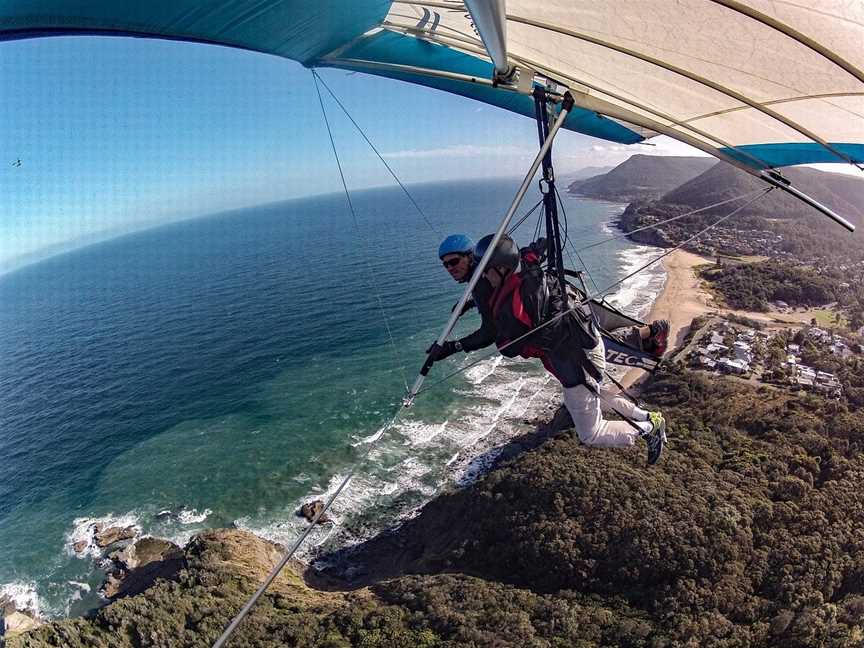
x=758, y=82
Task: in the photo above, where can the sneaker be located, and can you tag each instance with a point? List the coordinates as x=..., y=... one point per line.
x=658, y=341
x=656, y=438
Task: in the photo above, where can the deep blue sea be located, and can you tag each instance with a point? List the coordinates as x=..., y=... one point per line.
x=229, y=368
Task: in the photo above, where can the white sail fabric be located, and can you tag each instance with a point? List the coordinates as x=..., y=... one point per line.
x=760, y=83
x=755, y=76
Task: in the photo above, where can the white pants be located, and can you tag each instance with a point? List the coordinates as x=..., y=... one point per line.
x=584, y=407
x=592, y=428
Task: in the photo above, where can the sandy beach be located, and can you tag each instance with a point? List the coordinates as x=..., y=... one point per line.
x=681, y=300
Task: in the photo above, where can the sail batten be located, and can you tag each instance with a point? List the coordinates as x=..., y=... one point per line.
x=763, y=82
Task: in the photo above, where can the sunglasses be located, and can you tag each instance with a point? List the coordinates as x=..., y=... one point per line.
x=452, y=263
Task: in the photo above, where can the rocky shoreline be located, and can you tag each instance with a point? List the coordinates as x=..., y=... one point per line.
x=747, y=533
x=133, y=561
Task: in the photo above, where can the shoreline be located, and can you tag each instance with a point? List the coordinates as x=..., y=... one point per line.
x=479, y=457
x=681, y=299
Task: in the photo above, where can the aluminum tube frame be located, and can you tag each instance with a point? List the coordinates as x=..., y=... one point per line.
x=490, y=19
x=361, y=64
x=788, y=188
x=598, y=105
x=502, y=227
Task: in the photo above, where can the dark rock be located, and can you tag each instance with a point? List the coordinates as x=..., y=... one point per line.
x=112, y=584
x=13, y=621
x=107, y=537
x=7, y=606
x=311, y=509
x=139, y=565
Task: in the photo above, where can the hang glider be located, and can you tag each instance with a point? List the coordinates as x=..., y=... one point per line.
x=758, y=83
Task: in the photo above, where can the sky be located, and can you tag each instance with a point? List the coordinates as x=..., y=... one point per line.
x=116, y=134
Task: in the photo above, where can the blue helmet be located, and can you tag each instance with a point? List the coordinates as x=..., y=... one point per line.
x=455, y=244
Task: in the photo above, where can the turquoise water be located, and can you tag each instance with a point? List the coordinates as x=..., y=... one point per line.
x=229, y=368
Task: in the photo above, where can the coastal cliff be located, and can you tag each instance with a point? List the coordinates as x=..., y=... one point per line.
x=748, y=532
x=641, y=177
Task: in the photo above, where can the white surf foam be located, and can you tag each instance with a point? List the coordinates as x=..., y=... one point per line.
x=372, y=438
x=636, y=294
x=482, y=370
x=418, y=457
x=84, y=531
x=418, y=432
x=22, y=595
x=192, y=516
x=84, y=587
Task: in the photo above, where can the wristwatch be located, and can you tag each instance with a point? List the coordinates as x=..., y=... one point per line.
x=457, y=345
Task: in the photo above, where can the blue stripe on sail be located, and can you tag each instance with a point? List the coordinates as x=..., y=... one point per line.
x=295, y=29
x=389, y=47
x=780, y=155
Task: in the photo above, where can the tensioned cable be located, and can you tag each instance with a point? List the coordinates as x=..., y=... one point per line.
x=278, y=568
x=290, y=554
x=235, y=622
x=572, y=245
x=380, y=157
x=513, y=228
x=698, y=234
x=588, y=298
x=756, y=192
x=371, y=274
x=537, y=227
x=220, y=642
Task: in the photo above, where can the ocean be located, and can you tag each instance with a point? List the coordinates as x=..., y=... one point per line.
x=227, y=369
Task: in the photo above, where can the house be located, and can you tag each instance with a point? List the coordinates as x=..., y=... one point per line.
x=733, y=366
x=793, y=348
x=820, y=334
x=716, y=349
x=707, y=362
x=840, y=349
x=716, y=338
x=742, y=351
x=825, y=377
x=803, y=381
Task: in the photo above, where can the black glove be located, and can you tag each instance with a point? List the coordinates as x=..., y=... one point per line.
x=438, y=352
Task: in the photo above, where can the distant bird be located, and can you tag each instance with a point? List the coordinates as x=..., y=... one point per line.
x=17, y=163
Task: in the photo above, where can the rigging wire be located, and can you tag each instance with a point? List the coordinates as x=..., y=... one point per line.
x=370, y=272
x=380, y=157
x=572, y=245
x=756, y=192
x=513, y=228
x=278, y=568
x=537, y=227
x=220, y=642
x=274, y=572
x=588, y=298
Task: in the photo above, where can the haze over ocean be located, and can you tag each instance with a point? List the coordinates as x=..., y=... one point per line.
x=229, y=368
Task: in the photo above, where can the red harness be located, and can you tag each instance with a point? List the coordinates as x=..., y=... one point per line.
x=511, y=286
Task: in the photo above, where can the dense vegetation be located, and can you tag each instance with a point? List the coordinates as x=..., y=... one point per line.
x=748, y=533
x=641, y=176
x=775, y=225
x=753, y=286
